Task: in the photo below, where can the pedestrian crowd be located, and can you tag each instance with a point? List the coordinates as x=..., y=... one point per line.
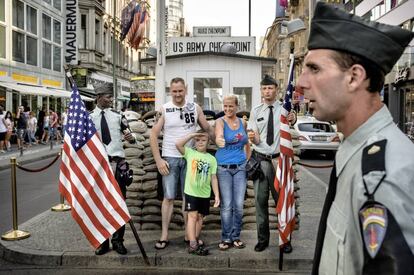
x=26, y=129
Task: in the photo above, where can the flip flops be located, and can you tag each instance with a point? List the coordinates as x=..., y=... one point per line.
x=161, y=244
x=224, y=245
x=238, y=244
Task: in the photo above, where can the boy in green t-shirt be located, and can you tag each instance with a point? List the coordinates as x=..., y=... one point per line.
x=200, y=176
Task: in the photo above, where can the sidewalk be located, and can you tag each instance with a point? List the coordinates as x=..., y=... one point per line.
x=30, y=154
x=56, y=243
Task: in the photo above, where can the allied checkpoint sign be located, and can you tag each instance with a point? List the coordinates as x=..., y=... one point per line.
x=180, y=45
x=245, y=45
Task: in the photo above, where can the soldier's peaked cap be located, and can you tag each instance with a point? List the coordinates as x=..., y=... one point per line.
x=336, y=29
x=104, y=88
x=268, y=80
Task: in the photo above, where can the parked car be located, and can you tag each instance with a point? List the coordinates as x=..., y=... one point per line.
x=315, y=135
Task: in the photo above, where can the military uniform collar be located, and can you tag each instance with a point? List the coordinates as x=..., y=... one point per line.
x=358, y=138
x=99, y=109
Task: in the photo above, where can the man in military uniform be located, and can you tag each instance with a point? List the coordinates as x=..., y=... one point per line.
x=367, y=224
x=112, y=128
x=264, y=133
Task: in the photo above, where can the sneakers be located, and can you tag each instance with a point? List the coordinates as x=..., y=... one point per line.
x=2, y=151
x=198, y=250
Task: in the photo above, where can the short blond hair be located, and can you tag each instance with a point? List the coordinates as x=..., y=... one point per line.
x=232, y=97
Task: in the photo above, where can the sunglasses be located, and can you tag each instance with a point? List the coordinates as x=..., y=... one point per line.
x=181, y=114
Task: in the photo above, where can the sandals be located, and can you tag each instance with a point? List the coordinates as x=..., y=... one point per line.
x=161, y=244
x=198, y=250
x=223, y=245
x=200, y=242
x=239, y=244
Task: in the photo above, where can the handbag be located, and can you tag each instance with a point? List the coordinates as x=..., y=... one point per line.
x=125, y=173
x=253, y=169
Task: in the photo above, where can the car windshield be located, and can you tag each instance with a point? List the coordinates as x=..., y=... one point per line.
x=315, y=127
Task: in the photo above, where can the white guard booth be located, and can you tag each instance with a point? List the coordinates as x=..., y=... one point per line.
x=211, y=75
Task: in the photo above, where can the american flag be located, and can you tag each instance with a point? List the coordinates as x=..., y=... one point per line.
x=86, y=179
x=284, y=173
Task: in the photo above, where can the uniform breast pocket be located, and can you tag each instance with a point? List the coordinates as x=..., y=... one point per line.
x=261, y=124
x=333, y=253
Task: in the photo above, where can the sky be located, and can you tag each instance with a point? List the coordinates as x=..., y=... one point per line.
x=234, y=13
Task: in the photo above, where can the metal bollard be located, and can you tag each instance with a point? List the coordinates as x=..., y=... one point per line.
x=61, y=207
x=14, y=234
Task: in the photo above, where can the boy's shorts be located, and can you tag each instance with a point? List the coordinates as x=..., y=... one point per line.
x=201, y=205
x=175, y=178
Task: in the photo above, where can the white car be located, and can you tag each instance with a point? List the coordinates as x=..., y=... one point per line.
x=317, y=135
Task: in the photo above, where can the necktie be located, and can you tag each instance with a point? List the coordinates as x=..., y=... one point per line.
x=330, y=196
x=270, y=130
x=106, y=135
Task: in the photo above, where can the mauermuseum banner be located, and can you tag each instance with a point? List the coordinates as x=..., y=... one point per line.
x=180, y=45
x=70, y=31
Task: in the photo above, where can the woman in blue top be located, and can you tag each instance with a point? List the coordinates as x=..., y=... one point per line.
x=231, y=138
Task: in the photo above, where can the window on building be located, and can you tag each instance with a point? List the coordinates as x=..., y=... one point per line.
x=31, y=22
x=46, y=27
x=208, y=93
x=47, y=55
x=51, y=45
x=2, y=42
x=97, y=35
x=105, y=38
x=56, y=32
x=18, y=46
x=2, y=10
x=18, y=14
x=31, y=51
x=48, y=1
x=57, y=4
x=244, y=95
x=57, y=63
x=82, y=38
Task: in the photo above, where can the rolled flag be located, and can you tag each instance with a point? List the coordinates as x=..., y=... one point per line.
x=134, y=25
x=141, y=28
x=127, y=17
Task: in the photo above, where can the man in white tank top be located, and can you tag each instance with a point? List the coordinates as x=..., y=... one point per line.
x=178, y=119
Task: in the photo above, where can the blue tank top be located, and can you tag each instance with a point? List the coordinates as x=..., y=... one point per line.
x=233, y=151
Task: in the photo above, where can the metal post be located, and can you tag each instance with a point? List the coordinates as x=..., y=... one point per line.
x=250, y=17
x=114, y=58
x=14, y=234
x=160, y=66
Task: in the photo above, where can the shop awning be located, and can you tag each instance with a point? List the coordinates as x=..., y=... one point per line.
x=39, y=90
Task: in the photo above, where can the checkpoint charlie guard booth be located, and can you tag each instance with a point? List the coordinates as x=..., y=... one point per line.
x=211, y=73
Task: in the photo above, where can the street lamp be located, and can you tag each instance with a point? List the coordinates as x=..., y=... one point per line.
x=293, y=26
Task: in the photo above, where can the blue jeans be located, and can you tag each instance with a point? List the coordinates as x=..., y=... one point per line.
x=176, y=176
x=232, y=183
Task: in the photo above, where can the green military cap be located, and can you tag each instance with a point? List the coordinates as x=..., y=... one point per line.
x=104, y=88
x=268, y=80
x=335, y=29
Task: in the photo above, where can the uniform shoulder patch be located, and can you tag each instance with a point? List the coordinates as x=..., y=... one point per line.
x=373, y=157
x=373, y=219
x=115, y=111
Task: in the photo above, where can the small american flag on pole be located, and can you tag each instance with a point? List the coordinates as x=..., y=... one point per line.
x=86, y=179
x=285, y=208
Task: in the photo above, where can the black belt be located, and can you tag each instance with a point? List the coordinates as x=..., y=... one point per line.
x=267, y=157
x=114, y=159
x=230, y=166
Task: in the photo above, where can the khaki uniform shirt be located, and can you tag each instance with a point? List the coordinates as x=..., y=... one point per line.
x=342, y=251
x=115, y=148
x=258, y=122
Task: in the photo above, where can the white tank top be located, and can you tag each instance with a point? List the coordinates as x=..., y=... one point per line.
x=178, y=122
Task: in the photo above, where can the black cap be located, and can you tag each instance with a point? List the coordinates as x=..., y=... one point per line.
x=268, y=80
x=104, y=88
x=335, y=29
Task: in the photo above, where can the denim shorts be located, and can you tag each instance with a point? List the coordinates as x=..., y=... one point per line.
x=176, y=176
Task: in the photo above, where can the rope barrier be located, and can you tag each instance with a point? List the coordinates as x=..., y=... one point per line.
x=39, y=169
x=315, y=166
